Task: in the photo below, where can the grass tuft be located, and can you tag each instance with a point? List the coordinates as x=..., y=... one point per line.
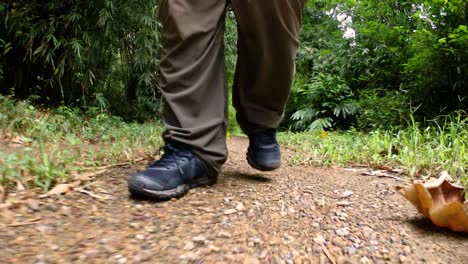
x=39, y=148
x=419, y=151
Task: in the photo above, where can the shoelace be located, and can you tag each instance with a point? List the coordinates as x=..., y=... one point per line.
x=171, y=156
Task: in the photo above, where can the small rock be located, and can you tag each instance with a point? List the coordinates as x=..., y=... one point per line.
x=351, y=250
x=342, y=232
x=346, y=194
x=188, y=256
x=407, y=250
x=54, y=247
x=140, y=237
x=90, y=253
x=224, y=234
x=135, y=225
x=103, y=241
x=365, y=260
x=199, y=239
x=51, y=207
x=214, y=248
x=66, y=211
x=263, y=254
x=139, y=207
x=343, y=203
x=230, y=211
x=240, y=207
x=250, y=260
x=251, y=213
x=33, y=205
x=320, y=202
x=122, y=260
x=319, y=240
x=44, y=228
x=189, y=245
x=403, y=259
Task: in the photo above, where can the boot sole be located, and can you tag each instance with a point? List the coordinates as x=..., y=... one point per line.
x=165, y=195
x=262, y=167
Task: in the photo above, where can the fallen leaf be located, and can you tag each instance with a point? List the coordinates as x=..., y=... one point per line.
x=20, y=186
x=440, y=201
x=58, y=189
x=87, y=176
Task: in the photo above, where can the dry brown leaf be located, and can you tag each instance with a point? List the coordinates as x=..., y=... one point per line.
x=58, y=189
x=20, y=186
x=440, y=201
x=87, y=176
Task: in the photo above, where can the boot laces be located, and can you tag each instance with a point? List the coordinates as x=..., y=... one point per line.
x=171, y=157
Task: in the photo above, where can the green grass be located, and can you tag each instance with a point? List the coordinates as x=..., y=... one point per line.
x=43, y=147
x=39, y=148
x=420, y=152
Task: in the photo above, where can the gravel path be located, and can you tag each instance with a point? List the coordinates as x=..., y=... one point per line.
x=292, y=215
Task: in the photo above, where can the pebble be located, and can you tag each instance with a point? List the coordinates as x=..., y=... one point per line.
x=189, y=245
x=199, y=239
x=104, y=241
x=140, y=237
x=66, y=211
x=230, y=211
x=34, y=206
x=214, y=248
x=240, y=207
x=263, y=254
x=351, y=250
x=319, y=240
x=346, y=194
x=251, y=213
x=342, y=232
x=51, y=207
x=139, y=207
x=407, y=250
x=320, y=202
x=224, y=234
x=122, y=260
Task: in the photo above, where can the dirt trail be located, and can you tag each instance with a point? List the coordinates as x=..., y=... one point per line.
x=292, y=215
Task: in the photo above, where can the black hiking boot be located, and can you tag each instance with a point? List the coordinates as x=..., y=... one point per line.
x=178, y=170
x=264, y=152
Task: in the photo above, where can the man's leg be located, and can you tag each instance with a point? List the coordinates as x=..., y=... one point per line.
x=193, y=86
x=267, y=46
x=193, y=77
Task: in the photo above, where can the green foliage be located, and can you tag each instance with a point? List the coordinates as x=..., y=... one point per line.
x=80, y=52
x=326, y=97
x=404, y=54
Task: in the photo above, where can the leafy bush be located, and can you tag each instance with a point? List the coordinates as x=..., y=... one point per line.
x=79, y=52
x=326, y=101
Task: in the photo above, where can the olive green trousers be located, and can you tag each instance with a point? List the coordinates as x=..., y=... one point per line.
x=193, y=77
